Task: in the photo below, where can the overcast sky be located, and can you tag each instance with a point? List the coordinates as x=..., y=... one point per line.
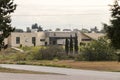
x=61, y=13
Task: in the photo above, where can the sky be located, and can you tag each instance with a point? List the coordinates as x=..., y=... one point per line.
x=52, y=14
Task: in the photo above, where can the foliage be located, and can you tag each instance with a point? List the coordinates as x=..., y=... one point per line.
x=35, y=26
x=113, y=30
x=76, y=44
x=41, y=53
x=71, y=44
x=99, y=50
x=6, y=8
x=19, y=30
x=52, y=52
x=20, y=57
x=67, y=46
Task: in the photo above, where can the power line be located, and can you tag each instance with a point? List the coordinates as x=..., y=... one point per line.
x=61, y=15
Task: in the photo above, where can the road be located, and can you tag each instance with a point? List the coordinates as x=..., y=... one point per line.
x=70, y=74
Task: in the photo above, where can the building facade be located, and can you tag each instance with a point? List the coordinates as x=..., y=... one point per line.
x=26, y=39
x=17, y=39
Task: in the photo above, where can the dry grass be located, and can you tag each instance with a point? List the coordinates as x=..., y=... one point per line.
x=102, y=66
x=7, y=70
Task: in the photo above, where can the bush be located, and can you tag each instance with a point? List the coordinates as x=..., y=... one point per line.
x=52, y=52
x=20, y=45
x=79, y=57
x=99, y=50
x=20, y=57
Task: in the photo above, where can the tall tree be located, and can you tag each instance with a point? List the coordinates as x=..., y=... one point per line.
x=113, y=30
x=76, y=44
x=6, y=8
x=71, y=44
x=67, y=46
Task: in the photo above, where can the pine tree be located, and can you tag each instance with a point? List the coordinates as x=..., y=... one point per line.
x=71, y=44
x=67, y=45
x=113, y=30
x=76, y=44
x=6, y=8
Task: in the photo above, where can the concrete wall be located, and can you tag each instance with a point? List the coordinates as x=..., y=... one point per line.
x=40, y=36
x=61, y=34
x=82, y=36
x=26, y=39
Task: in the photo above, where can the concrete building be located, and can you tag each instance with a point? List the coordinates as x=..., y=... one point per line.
x=58, y=37
x=26, y=39
x=48, y=38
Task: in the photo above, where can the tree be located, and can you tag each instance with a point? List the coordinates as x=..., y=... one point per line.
x=71, y=44
x=76, y=44
x=67, y=45
x=58, y=29
x=19, y=30
x=40, y=29
x=28, y=29
x=113, y=30
x=6, y=8
x=35, y=26
x=95, y=29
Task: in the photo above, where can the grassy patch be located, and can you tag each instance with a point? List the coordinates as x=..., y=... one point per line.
x=100, y=66
x=7, y=70
x=11, y=56
x=36, y=48
x=38, y=63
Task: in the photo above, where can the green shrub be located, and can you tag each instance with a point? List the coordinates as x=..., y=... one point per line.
x=79, y=57
x=98, y=50
x=21, y=63
x=20, y=57
x=51, y=52
x=20, y=45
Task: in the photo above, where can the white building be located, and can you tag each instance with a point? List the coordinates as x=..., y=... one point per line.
x=26, y=39
x=17, y=39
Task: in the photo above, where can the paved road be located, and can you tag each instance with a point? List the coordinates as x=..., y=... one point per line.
x=70, y=74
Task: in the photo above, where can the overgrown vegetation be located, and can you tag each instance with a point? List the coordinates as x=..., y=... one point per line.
x=99, y=50
x=55, y=56
x=52, y=52
x=113, y=29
